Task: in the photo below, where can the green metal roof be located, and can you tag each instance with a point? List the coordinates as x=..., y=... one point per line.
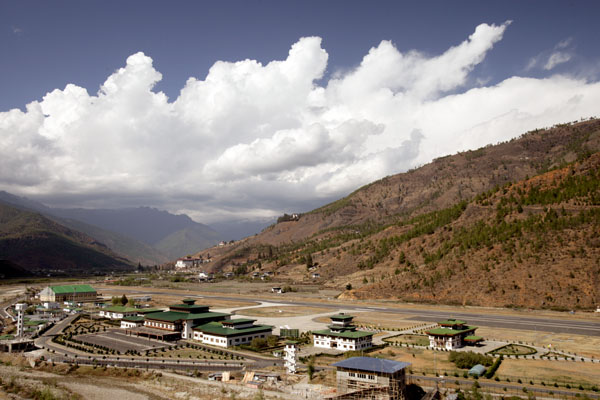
x=72, y=289
x=345, y=334
x=450, y=332
x=451, y=322
x=170, y=316
x=148, y=310
x=134, y=318
x=189, y=307
x=342, y=317
x=473, y=338
x=216, y=328
x=206, y=315
x=239, y=321
x=173, y=316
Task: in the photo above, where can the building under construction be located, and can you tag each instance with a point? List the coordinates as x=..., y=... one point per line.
x=370, y=378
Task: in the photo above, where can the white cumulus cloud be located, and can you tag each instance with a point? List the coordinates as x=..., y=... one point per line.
x=257, y=140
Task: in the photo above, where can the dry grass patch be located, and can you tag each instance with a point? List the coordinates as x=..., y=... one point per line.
x=550, y=371
x=420, y=359
x=586, y=346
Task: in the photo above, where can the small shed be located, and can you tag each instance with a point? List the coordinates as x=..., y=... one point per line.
x=477, y=370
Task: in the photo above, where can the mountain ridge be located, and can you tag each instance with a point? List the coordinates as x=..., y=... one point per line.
x=41, y=246
x=136, y=233
x=355, y=240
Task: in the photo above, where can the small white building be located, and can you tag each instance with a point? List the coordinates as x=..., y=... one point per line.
x=118, y=312
x=452, y=334
x=132, y=322
x=342, y=335
x=51, y=305
x=229, y=333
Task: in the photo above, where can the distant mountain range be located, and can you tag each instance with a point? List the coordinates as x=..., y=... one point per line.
x=31, y=244
x=513, y=224
x=145, y=235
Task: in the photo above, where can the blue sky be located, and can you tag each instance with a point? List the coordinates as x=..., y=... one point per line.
x=361, y=96
x=46, y=45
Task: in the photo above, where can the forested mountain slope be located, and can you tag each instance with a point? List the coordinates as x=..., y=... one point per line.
x=510, y=224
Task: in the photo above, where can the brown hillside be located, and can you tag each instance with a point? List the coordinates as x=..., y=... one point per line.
x=440, y=233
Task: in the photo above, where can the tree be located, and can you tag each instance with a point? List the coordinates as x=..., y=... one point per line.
x=258, y=343
x=124, y=300
x=349, y=286
x=310, y=369
x=402, y=258
x=309, y=261
x=116, y=300
x=272, y=340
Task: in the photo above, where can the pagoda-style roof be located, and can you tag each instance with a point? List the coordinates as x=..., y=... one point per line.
x=173, y=316
x=218, y=329
x=348, y=334
x=451, y=322
x=238, y=321
x=473, y=338
x=450, y=332
x=341, y=317
x=188, y=305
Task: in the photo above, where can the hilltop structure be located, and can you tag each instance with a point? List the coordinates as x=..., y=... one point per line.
x=72, y=293
x=452, y=334
x=342, y=335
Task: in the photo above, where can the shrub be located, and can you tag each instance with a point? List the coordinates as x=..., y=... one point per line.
x=468, y=359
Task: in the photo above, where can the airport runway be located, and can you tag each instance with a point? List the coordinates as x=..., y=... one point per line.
x=531, y=323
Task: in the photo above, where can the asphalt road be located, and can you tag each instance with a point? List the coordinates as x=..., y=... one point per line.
x=530, y=323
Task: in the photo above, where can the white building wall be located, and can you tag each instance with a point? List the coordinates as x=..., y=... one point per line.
x=130, y=324
x=220, y=341
x=346, y=344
